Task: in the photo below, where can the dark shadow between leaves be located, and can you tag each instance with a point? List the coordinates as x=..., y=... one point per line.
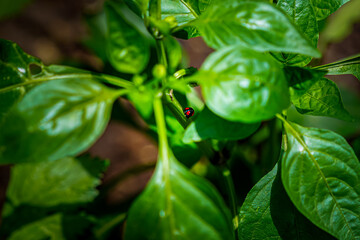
x=289, y=222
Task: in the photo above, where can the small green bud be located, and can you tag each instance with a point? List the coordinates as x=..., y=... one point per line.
x=171, y=20
x=159, y=71
x=137, y=80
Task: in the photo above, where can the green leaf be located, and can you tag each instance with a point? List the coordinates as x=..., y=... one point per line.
x=128, y=45
x=15, y=68
x=173, y=53
x=177, y=204
x=341, y=24
x=184, y=11
x=211, y=126
x=257, y=25
x=243, y=85
x=349, y=65
x=321, y=175
x=54, y=227
x=312, y=94
x=97, y=34
x=48, y=184
x=143, y=5
x=324, y=8
x=56, y=119
x=10, y=7
x=142, y=98
x=303, y=15
x=187, y=153
x=268, y=213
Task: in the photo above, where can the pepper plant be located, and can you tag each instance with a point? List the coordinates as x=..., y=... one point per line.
x=261, y=65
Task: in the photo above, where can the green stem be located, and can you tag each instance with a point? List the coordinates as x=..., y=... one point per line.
x=161, y=128
x=121, y=92
x=109, y=225
x=101, y=77
x=175, y=108
x=230, y=190
x=190, y=8
x=163, y=54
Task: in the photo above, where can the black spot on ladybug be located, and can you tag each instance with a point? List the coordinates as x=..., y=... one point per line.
x=189, y=112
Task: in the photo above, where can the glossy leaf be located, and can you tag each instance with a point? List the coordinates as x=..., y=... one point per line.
x=268, y=213
x=176, y=204
x=128, y=47
x=324, y=8
x=321, y=175
x=47, y=184
x=211, y=126
x=313, y=94
x=187, y=153
x=173, y=53
x=243, y=85
x=257, y=25
x=54, y=227
x=56, y=119
x=142, y=98
x=303, y=15
x=15, y=68
x=184, y=11
x=349, y=65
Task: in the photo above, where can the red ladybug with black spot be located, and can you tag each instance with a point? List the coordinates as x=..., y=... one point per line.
x=189, y=112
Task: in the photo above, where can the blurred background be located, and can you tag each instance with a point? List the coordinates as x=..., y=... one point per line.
x=65, y=32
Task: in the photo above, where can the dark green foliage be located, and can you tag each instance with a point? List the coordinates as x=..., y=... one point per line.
x=268, y=213
x=51, y=114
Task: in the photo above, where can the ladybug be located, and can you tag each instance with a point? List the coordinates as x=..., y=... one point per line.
x=189, y=112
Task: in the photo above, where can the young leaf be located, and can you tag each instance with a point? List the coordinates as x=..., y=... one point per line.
x=268, y=213
x=142, y=98
x=321, y=175
x=128, y=47
x=313, y=94
x=48, y=184
x=15, y=68
x=303, y=15
x=349, y=65
x=178, y=204
x=187, y=153
x=243, y=85
x=209, y=125
x=184, y=11
x=324, y=8
x=257, y=25
x=173, y=52
x=56, y=119
x=56, y=227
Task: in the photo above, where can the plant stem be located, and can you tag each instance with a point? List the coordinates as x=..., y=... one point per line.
x=163, y=53
x=176, y=109
x=116, y=81
x=101, y=77
x=161, y=127
x=174, y=106
x=230, y=190
x=109, y=225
